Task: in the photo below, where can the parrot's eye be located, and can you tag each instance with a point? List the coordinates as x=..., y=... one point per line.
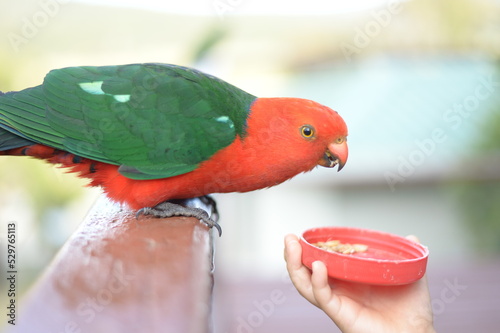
x=307, y=131
x=340, y=140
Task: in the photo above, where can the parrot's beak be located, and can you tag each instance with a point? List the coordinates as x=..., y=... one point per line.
x=335, y=154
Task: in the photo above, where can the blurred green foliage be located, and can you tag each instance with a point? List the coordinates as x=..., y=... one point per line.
x=45, y=185
x=481, y=211
x=215, y=34
x=479, y=201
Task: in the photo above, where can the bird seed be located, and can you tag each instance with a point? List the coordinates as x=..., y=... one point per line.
x=344, y=248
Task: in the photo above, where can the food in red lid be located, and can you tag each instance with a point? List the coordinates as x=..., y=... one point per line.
x=385, y=259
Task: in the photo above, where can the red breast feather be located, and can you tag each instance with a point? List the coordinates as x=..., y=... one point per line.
x=273, y=151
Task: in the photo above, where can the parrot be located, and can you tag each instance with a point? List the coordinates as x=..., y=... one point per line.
x=154, y=134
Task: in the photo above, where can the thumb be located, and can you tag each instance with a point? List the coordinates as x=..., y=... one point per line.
x=413, y=238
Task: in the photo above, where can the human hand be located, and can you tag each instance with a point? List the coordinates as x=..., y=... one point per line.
x=356, y=307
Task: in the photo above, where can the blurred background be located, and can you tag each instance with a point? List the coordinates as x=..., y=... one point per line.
x=417, y=82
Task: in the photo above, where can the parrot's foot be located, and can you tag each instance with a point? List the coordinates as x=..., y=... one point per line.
x=188, y=208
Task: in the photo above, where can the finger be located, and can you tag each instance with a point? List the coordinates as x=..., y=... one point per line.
x=319, y=280
x=293, y=258
x=292, y=251
x=413, y=238
x=299, y=274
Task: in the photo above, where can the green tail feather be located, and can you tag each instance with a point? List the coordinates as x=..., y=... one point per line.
x=23, y=114
x=9, y=140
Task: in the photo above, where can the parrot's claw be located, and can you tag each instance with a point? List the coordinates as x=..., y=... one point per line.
x=187, y=208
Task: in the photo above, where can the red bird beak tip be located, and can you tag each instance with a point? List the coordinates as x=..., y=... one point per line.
x=335, y=154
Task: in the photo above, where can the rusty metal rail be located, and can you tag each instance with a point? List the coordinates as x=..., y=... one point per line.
x=121, y=274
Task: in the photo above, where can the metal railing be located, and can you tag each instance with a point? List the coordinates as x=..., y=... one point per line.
x=119, y=273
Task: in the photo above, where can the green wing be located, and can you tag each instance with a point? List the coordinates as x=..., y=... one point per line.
x=154, y=120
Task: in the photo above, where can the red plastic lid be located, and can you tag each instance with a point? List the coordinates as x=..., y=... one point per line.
x=389, y=259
